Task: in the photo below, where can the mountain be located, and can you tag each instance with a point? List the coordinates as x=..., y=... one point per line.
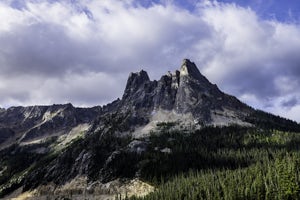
x=185, y=97
x=29, y=124
x=58, y=149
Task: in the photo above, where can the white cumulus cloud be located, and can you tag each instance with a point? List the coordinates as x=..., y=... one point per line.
x=83, y=51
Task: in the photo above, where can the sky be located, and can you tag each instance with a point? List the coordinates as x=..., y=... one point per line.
x=82, y=51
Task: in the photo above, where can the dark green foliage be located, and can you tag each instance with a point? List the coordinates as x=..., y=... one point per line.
x=225, y=163
x=14, y=162
x=165, y=126
x=60, y=167
x=101, y=147
x=204, y=149
x=277, y=179
x=269, y=121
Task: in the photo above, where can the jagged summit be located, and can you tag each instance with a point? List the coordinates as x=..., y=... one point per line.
x=134, y=82
x=140, y=77
x=189, y=68
x=184, y=95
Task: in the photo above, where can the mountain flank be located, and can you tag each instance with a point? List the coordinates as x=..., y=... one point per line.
x=157, y=130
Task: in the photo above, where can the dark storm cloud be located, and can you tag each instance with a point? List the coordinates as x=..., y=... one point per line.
x=289, y=103
x=255, y=81
x=39, y=49
x=263, y=77
x=47, y=50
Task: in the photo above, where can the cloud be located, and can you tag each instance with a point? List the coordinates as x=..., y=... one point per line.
x=83, y=51
x=85, y=89
x=46, y=45
x=289, y=103
x=257, y=58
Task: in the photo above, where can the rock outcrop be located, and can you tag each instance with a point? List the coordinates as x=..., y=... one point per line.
x=186, y=92
x=27, y=124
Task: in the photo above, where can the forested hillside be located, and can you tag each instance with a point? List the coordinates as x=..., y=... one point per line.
x=224, y=163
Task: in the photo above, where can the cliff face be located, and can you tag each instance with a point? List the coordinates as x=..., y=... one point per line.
x=184, y=96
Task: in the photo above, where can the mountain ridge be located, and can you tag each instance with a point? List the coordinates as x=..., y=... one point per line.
x=182, y=96
x=61, y=143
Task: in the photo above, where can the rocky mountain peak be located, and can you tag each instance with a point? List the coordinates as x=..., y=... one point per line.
x=189, y=70
x=134, y=82
x=138, y=78
x=185, y=92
